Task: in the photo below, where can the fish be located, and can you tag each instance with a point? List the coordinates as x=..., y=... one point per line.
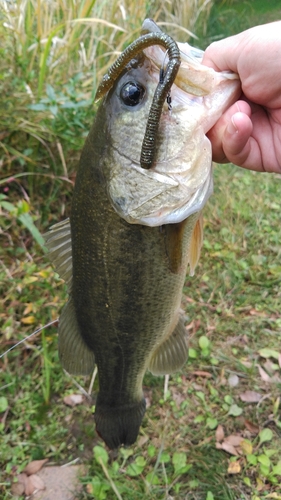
x=135, y=224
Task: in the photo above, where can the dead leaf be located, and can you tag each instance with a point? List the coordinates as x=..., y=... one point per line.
x=199, y=373
x=22, y=478
x=253, y=428
x=254, y=312
x=33, y=483
x=270, y=366
x=28, y=320
x=264, y=376
x=233, y=380
x=198, y=387
x=233, y=440
x=17, y=489
x=234, y=468
x=229, y=448
x=260, y=484
x=250, y=397
x=89, y=488
x=246, y=447
x=177, y=396
x=248, y=364
x=219, y=433
x=142, y=440
x=34, y=466
x=28, y=309
x=73, y=399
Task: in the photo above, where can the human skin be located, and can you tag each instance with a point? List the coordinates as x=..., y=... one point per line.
x=249, y=133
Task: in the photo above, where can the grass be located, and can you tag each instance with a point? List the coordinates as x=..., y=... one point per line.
x=232, y=303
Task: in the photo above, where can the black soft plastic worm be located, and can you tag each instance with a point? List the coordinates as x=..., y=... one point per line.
x=162, y=89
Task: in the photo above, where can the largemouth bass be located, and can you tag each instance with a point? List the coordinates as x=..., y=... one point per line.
x=134, y=229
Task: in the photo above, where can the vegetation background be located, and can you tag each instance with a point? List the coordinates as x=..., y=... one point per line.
x=212, y=432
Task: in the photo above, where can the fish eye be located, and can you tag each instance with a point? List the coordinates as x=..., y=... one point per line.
x=132, y=93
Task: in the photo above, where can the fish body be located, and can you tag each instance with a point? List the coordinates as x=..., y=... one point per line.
x=131, y=235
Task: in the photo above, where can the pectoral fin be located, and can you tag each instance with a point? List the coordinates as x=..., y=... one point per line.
x=58, y=242
x=172, y=353
x=75, y=355
x=195, y=244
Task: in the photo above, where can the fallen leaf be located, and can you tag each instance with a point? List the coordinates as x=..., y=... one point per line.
x=28, y=309
x=199, y=373
x=253, y=312
x=233, y=440
x=142, y=440
x=253, y=428
x=73, y=399
x=234, y=468
x=229, y=448
x=17, y=489
x=33, y=483
x=270, y=367
x=264, y=376
x=22, y=478
x=250, y=397
x=219, y=433
x=89, y=488
x=34, y=466
x=233, y=380
x=246, y=447
x=260, y=484
x=28, y=320
x=248, y=364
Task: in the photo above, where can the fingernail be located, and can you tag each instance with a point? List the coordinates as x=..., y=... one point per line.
x=232, y=128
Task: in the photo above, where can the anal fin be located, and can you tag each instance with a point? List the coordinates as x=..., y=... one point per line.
x=75, y=355
x=171, y=355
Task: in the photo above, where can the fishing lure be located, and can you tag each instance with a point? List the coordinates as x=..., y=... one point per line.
x=162, y=90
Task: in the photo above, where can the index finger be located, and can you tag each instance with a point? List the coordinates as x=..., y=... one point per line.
x=222, y=55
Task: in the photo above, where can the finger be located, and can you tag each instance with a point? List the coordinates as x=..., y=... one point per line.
x=216, y=134
x=235, y=140
x=251, y=143
x=223, y=54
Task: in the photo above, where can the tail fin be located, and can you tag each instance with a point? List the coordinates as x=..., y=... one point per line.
x=119, y=425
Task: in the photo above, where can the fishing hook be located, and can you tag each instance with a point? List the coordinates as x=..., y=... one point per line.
x=162, y=90
x=161, y=79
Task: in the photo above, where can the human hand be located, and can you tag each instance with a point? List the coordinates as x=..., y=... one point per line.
x=249, y=132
